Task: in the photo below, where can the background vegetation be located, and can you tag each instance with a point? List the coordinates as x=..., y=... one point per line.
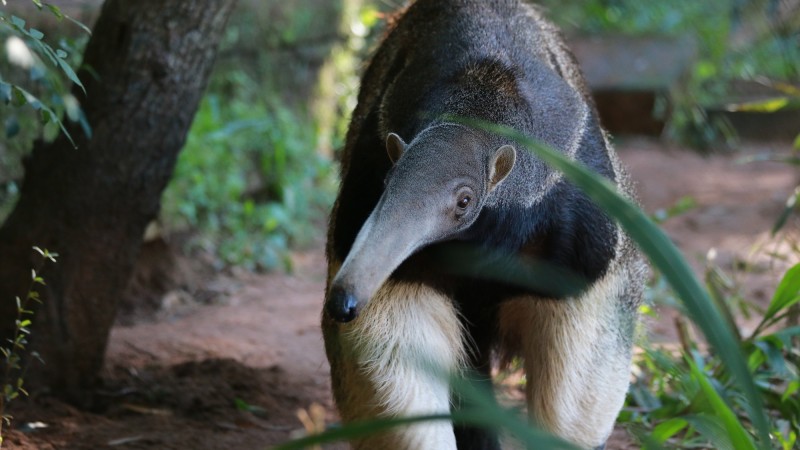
x=36, y=72
x=737, y=41
x=257, y=174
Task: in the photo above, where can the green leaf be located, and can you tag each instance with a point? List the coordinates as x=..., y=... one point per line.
x=666, y=430
x=17, y=22
x=38, y=3
x=791, y=389
x=369, y=16
x=70, y=73
x=785, y=335
x=80, y=25
x=765, y=106
x=34, y=103
x=791, y=202
x=683, y=205
x=739, y=437
x=37, y=356
x=46, y=117
x=756, y=359
x=46, y=50
x=774, y=357
x=18, y=97
x=55, y=10
x=712, y=429
x=787, y=293
x=36, y=34
x=664, y=256
x=786, y=88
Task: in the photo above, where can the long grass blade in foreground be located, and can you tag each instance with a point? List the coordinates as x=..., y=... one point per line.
x=483, y=412
x=533, y=439
x=733, y=428
x=486, y=414
x=663, y=254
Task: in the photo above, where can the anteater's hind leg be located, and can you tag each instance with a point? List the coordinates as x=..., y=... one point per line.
x=393, y=361
x=577, y=355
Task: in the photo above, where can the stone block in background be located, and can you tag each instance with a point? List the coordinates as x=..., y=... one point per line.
x=627, y=74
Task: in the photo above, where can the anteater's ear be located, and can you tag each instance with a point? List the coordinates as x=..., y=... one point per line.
x=501, y=165
x=394, y=147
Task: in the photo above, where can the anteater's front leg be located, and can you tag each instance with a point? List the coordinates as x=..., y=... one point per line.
x=393, y=361
x=577, y=356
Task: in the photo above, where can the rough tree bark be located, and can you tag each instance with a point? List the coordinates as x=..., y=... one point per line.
x=149, y=63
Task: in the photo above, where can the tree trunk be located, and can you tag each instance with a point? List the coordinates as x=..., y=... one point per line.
x=147, y=65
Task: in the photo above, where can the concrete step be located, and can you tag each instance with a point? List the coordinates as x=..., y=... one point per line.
x=627, y=74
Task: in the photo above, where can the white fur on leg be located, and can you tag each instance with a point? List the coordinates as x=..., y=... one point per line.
x=404, y=344
x=577, y=361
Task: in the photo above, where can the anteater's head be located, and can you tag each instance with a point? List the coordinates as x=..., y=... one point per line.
x=436, y=189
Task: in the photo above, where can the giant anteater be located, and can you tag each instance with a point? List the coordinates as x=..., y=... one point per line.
x=394, y=311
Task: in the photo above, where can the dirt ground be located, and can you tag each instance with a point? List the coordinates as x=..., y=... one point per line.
x=226, y=360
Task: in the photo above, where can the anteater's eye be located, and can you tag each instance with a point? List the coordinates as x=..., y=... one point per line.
x=463, y=201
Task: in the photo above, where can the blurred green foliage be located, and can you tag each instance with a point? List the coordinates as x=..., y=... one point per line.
x=736, y=40
x=257, y=177
x=36, y=72
x=249, y=180
x=258, y=170
x=668, y=401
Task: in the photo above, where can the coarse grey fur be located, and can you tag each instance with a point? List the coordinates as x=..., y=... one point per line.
x=392, y=305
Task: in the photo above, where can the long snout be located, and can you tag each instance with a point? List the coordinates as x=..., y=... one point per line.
x=342, y=304
x=383, y=243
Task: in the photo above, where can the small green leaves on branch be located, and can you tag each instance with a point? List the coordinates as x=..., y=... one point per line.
x=13, y=365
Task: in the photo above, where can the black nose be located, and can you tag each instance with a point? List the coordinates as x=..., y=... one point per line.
x=342, y=306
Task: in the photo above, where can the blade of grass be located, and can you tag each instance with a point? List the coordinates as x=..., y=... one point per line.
x=488, y=414
x=669, y=428
x=493, y=417
x=787, y=293
x=662, y=253
x=710, y=427
x=739, y=438
x=483, y=412
x=788, y=209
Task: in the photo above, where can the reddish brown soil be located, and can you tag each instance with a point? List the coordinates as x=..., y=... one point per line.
x=179, y=363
